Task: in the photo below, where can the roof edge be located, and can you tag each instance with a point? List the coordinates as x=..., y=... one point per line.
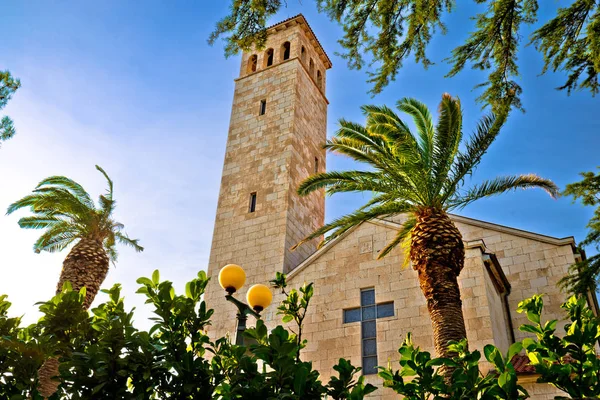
x=569, y=240
x=514, y=231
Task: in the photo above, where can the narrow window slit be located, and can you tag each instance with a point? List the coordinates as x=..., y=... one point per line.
x=263, y=107
x=252, y=205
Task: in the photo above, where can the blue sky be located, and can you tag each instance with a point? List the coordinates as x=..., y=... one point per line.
x=139, y=91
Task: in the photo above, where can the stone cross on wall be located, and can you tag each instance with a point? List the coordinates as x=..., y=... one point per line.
x=367, y=314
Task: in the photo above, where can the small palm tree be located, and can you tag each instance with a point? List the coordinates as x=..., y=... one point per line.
x=66, y=211
x=420, y=175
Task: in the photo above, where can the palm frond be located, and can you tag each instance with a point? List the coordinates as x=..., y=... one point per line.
x=352, y=130
x=382, y=121
x=353, y=149
x=342, y=224
x=38, y=222
x=126, y=240
x=66, y=183
x=504, y=184
x=109, y=193
x=446, y=140
x=424, y=122
x=369, y=180
x=107, y=205
x=582, y=277
x=399, y=144
x=486, y=132
x=107, y=202
x=382, y=199
x=51, y=200
x=402, y=236
x=56, y=238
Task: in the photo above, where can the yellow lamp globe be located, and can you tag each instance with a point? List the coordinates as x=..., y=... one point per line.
x=232, y=277
x=259, y=297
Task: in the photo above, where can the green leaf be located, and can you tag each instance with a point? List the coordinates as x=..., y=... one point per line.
x=144, y=281
x=300, y=381
x=513, y=350
x=156, y=277
x=287, y=318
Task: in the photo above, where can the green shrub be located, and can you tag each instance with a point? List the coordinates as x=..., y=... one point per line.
x=569, y=363
x=103, y=356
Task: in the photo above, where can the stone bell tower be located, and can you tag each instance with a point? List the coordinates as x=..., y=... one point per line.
x=277, y=130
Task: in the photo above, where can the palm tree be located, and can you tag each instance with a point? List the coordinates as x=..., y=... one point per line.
x=421, y=176
x=66, y=211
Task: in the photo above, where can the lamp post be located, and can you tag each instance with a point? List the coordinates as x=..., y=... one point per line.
x=231, y=278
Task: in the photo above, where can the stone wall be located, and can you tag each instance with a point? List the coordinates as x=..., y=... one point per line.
x=345, y=267
x=268, y=155
x=533, y=264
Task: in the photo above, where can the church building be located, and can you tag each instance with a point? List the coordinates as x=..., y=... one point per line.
x=362, y=308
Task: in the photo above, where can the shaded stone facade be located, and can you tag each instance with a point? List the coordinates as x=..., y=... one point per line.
x=277, y=129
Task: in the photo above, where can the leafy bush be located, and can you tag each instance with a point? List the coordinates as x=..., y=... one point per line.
x=427, y=380
x=569, y=363
x=103, y=356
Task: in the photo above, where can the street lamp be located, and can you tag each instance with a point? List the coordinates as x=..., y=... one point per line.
x=231, y=278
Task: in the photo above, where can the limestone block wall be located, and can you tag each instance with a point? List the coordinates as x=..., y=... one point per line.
x=305, y=214
x=531, y=264
x=499, y=322
x=268, y=154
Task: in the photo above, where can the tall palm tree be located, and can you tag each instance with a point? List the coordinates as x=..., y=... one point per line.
x=66, y=211
x=420, y=175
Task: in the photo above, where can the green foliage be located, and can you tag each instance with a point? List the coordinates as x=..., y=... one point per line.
x=21, y=355
x=569, y=363
x=294, y=306
x=494, y=44
x=420, y=375
x=389, y=31
x=583, y=276
x=8, y=85
x=347, y=385
x=103, y=356
x=571, y=42
x=66, y=211
x=246, y=24
x=408, y=171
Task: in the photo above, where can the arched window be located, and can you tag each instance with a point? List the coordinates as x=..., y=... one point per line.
x=311, y=67
x=319, y=80
x=285, y=51
x=269, y=57
x=303, y=55
x=252, y=62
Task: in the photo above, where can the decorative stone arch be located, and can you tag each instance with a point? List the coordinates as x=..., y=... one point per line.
x=303, y=55
x=319, y=79
x=286, y=51
x=269, y=58
x=252, y=64
x=311, y=68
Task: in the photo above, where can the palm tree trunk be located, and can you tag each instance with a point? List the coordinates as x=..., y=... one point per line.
x=438, y=253
x=86, y=265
